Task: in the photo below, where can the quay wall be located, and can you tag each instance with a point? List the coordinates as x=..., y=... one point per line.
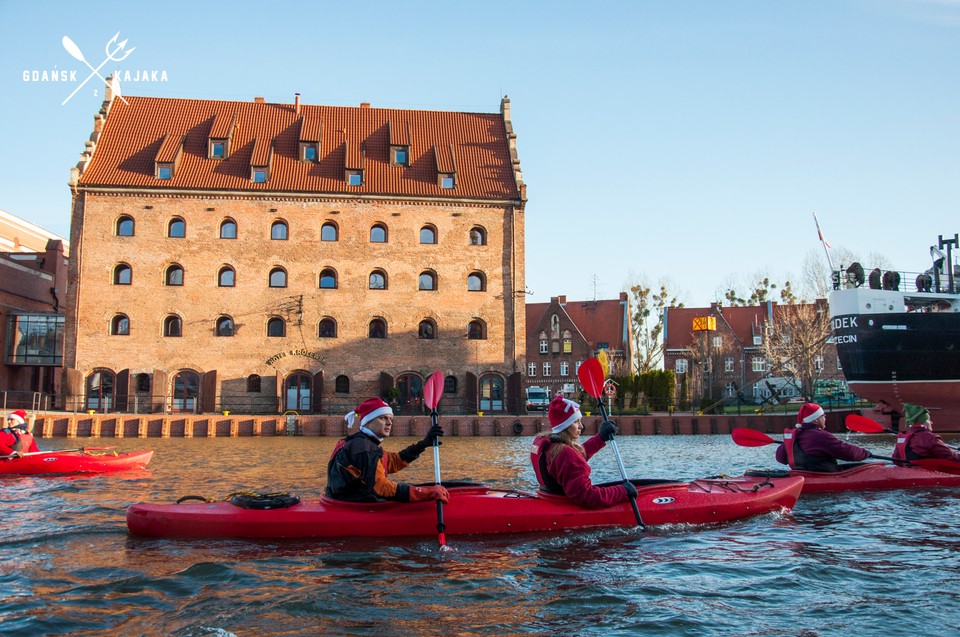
x=53, y=425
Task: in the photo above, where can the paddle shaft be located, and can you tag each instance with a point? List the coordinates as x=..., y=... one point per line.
x=441, y=527
x=623, y=473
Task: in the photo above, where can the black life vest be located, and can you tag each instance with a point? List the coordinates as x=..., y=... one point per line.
x=803, y=461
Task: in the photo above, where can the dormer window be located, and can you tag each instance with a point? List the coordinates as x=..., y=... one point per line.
x=164, y=171
x=218, y=149
x=309, y=152
x=355, y=177
x=258, y=175
x=447, y=181
x=399, y=155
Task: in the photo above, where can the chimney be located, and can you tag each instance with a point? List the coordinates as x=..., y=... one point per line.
x=364, y=104
x=296, y=103
x=259, y=100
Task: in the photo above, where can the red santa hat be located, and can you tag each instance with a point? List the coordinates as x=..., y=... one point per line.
x=809, y=412
x=367, y=411
x=562, y=413
x=19, y=417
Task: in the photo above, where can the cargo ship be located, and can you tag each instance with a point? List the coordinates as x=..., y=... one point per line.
x=898, y=335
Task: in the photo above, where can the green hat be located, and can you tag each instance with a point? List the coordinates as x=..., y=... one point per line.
x=915, y=414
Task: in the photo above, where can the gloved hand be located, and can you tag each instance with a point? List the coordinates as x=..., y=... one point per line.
x=422, y=494
x=607, y=430
x=435, y=432
x=631, y=490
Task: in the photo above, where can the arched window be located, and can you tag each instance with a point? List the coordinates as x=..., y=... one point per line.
x=329, y=232
x=278, y=231
x=226, y=278
x=120, y=325
x=253, y=384
x=122, y=274
x=174, y=275
x=478, y=236
x=378, y=280
x=378, y=328
x=427, y=330
x=125, y=226
x=278, y=278
x=228, y=229
x=476, y=330
x=342, y=384
x=328, y=328
x=186, y=390
x=476, y=282
x=328, y=279
x=276, y=327
x=142, y=382
x=100, y=388
x=428, y=280
x=224, y=326
x=428, y=234
x=450, y=385
x=491, y=393
x=177, y=228
x=172, y=326
x=378, y=233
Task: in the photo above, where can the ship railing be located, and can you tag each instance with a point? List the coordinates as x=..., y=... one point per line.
x=932, y=281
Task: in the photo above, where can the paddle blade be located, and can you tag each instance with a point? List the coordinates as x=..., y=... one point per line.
x=591, y=377
x=433, y=389
x=750, y=438
x=862, y=424
x=938, y=464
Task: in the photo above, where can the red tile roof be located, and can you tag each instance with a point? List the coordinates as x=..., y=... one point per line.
x=598, y=321
x=134, y=132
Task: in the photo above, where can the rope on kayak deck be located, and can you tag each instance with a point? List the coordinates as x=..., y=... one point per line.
x=251, y=500
x=733, y=484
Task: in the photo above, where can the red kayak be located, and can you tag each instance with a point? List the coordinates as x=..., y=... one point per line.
x=73, y=461
x=472, y=509
x=871, y=476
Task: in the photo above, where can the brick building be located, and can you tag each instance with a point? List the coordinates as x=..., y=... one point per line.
x=33, y=282
x=263, y=257
x=734, y=346
x=562, y=334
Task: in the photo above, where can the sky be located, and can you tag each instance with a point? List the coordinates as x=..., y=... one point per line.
x=678, y=142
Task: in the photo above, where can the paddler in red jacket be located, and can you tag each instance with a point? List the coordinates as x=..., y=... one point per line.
x=919, y=441
x=810, y=447
x=14, y=438
x=560, y=461
x=358, y=469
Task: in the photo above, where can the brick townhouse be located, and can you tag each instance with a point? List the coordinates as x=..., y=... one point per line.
x=267, y=257
x=562, y=334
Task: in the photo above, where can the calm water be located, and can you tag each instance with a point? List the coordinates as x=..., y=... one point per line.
x=876, y=563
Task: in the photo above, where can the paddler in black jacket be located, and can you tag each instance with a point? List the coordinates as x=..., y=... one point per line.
x=358, y=467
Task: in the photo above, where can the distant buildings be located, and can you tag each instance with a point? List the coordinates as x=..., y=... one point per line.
x=562, y=334
x=264, y=257
x=33, y=281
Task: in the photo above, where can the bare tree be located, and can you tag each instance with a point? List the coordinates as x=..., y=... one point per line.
x=794, y=344
x=648, y=323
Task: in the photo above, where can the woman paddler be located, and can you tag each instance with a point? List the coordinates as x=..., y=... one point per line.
x=358, y=467
x=560, y=461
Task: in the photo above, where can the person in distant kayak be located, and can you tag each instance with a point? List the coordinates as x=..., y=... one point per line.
x=919, y=441
x=358, y=469
x=810, y=447
x=15, y=439
x=560, y=461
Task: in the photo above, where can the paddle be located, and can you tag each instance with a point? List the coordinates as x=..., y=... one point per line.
x=591, y=377
x=750, y=438
x=40, y=453
x=432, y=391
x=864, y=425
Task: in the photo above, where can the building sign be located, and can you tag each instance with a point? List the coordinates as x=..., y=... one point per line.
x=295, y=352
x=704, y=323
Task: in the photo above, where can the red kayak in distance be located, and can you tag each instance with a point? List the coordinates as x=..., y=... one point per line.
x=473, y=509
x=871, y=476
x=73, y=461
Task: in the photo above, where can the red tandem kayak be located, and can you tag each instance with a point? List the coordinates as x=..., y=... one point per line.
x=869, y=476
x=472, y=509
x=75, y=461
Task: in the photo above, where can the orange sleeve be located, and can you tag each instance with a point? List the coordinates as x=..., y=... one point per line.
x=391, y=463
